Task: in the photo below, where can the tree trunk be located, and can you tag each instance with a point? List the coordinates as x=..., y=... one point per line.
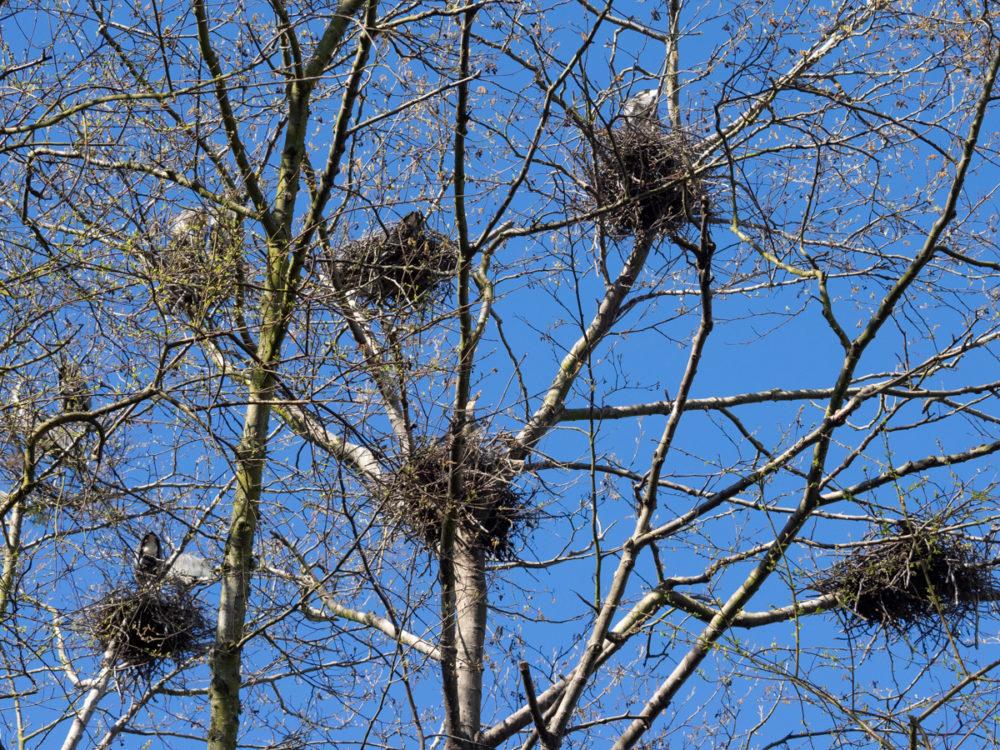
x=470, y=621
x=224, y=690
x=11, y=553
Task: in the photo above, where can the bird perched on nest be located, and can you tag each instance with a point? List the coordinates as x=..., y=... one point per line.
x=198, y=228
x=72, y=389
x=65, y=441
x=150, y=564
x=410, y=228
x=641, y=109
x=192, y=226
x=148, y=561
x=202, y=262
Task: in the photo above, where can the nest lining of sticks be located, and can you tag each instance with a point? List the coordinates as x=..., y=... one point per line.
x=144, y=625
x=493, y=514
x=405, y=264
x=649, y=166
x=202, y=263
x=912, y=582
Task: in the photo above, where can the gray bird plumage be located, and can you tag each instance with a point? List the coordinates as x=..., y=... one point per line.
x=409, y=231
x=67, y=438
x=191, y=569
x=202, y=262
x=192, y=226
x=641, y=109
x=150, y=564
x=413, y=221
x=200, y=229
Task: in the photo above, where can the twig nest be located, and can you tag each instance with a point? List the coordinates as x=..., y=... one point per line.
x=202, y=263
x=144, y=625
x=492, y=513
x=406, y=264
x=647, y=169
x=71, y=443
x=73, y=388
x=914, y=582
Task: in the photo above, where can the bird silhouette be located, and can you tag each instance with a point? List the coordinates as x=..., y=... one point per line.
x=148, y=560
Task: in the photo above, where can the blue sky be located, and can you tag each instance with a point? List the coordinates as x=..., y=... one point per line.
x=878, y=155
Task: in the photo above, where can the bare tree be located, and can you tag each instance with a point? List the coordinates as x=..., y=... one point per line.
x=498, y=375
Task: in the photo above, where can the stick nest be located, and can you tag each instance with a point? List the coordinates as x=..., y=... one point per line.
x=492, y=513
x=145, y=625
x=406, y=264
x=201, y=265
x=650, y=169
x=912, y=583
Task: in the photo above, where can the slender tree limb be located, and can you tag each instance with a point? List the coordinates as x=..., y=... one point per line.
x=910, y=467
x=716, y=403
x=548, y=743
x=607, y=313
x=723, y=620
x=371, y=620
x=229, y=120
x=461, y=563
x=86, y=710
x=567, y=706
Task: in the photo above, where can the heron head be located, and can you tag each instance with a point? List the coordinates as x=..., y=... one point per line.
x=150, y=545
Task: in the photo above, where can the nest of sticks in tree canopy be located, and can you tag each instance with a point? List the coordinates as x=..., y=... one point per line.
x=144, y=625
x=492, y=514
x=202, y=264
x=406, y=264
x=647, y=169
x=917, y=582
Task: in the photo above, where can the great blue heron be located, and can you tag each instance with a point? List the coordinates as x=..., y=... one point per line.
x=201, y=230
x=191, y=227
x=410, y=229
x=72, y=389
x=64, y=440
x=148, y=560
x=150, y=564
x=202, y=262
x=641, y=109
x=191, y=569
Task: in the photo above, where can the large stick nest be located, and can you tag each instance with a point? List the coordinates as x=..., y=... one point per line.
x=649, y=168
x=913, y=583
x=406, y=264
x=144, y=625
x=202, y=263
x=74, y=445
x=492, y=514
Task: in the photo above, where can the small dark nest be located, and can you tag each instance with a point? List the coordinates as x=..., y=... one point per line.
x=906, y=583
x=407, y=264
x=493, y=513
x=652, y=168
x=145, y=625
